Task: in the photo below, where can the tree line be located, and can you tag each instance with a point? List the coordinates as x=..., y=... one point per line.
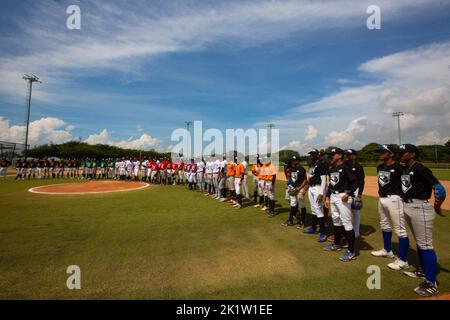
x=81, y=150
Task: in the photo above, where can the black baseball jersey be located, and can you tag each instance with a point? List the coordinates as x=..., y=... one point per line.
x=342, y=180
x=320, y=168
x=417, y=182
x=389, y=182
x=297, y=176
x=358, y=170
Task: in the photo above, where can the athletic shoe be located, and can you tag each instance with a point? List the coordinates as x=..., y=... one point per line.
x=256, y=206
x=300, y=225
x=344, y=243
x=418, y=273
x=270, y=214
x=222, y=199
x=237, y=206
x=427, y=289
x=310, y=231
x=383, y=253
x=330, y=238
x=287, y=223
x=322, y=238
x=347, y=256
x=398, y=265
x=264, y=208
x=332, y=247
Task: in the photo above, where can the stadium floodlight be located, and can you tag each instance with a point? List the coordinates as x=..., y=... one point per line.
x=398, y=115
x=31, y=79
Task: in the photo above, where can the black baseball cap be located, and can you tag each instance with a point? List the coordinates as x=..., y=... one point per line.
x=337, y=151
x=385, y=148
x=351, y=152
x=313, y=151
x=408, y=148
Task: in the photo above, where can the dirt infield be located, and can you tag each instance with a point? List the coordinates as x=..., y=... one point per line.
x=92, y=187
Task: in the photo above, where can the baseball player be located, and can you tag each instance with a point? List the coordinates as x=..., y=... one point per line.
x=215, y=177
x=343, y=184
x=201, y=175
x=257, y=191
x=238, y=181
x=144, y=167
x=244, y=185
x=270, y=174
x=4, y=168
x=356, y=205
x=390, y=207
x=208, y=176
x=417, y=185
x=318, y=171
x=222, y=179
x=40, y=164
x=180, y=172
x=231, y=171
x=155, y=171
x=297, y=181
x=136, y=167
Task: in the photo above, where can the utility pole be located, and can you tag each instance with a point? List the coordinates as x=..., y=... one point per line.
x=398, y=115
x=30, y=78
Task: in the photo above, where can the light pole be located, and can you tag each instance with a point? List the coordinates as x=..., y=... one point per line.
x=270, y=126
x=188, y=126
x=30, y=78
x=398, y=115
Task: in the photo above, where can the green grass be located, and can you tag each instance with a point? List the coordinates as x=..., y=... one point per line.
x=171, y=243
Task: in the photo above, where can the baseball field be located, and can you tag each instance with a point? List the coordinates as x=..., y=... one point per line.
x=166, y=242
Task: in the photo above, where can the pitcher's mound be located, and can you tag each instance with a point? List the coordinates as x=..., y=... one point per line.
x=91, y=187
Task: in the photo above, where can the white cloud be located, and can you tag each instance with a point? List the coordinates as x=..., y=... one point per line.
x=44, y=130
x=144, y=142
x=432, y=137
x=349, y=136
x=311, y=133
x=119, y=36
x=415, y=82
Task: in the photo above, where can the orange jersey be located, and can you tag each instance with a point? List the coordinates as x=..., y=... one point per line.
x=231, y=169
x=262, y=172
x=240, y=169
x=270, y=172
x=255, y=169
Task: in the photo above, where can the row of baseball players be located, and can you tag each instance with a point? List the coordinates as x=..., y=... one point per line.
x=405, y=188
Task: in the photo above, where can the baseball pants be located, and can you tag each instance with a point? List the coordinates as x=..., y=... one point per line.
x=316, y=208
x=420, y=215
x=270, y=193
x=3, y=172
x=215, y=180
x=237, y=185
x=245, y=187
x=341, y=212
x=392, y=217
x=231, y=183
x=201, y=180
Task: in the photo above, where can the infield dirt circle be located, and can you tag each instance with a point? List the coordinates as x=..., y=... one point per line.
x=91, y=187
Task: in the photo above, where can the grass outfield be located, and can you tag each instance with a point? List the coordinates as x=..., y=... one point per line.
x=171, y=243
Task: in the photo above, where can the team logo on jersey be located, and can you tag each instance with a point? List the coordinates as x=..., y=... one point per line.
x=384, y=178
x=334, y=178
x=406, y=183
x=294, y=176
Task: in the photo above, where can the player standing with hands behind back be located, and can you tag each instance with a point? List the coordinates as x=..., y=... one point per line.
x=343, y=184
x=417, y=184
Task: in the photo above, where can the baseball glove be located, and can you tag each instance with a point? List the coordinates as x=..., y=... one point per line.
x=439, y=198
x=292, y=191
x=357, y=205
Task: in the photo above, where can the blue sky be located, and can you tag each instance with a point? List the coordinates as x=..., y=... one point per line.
x=138, y=69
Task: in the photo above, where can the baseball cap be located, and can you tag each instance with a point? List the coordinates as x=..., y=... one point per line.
x=408, y=148
x=337, y=151
x=313, y=151
x=385, y=148
x=351, y=152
